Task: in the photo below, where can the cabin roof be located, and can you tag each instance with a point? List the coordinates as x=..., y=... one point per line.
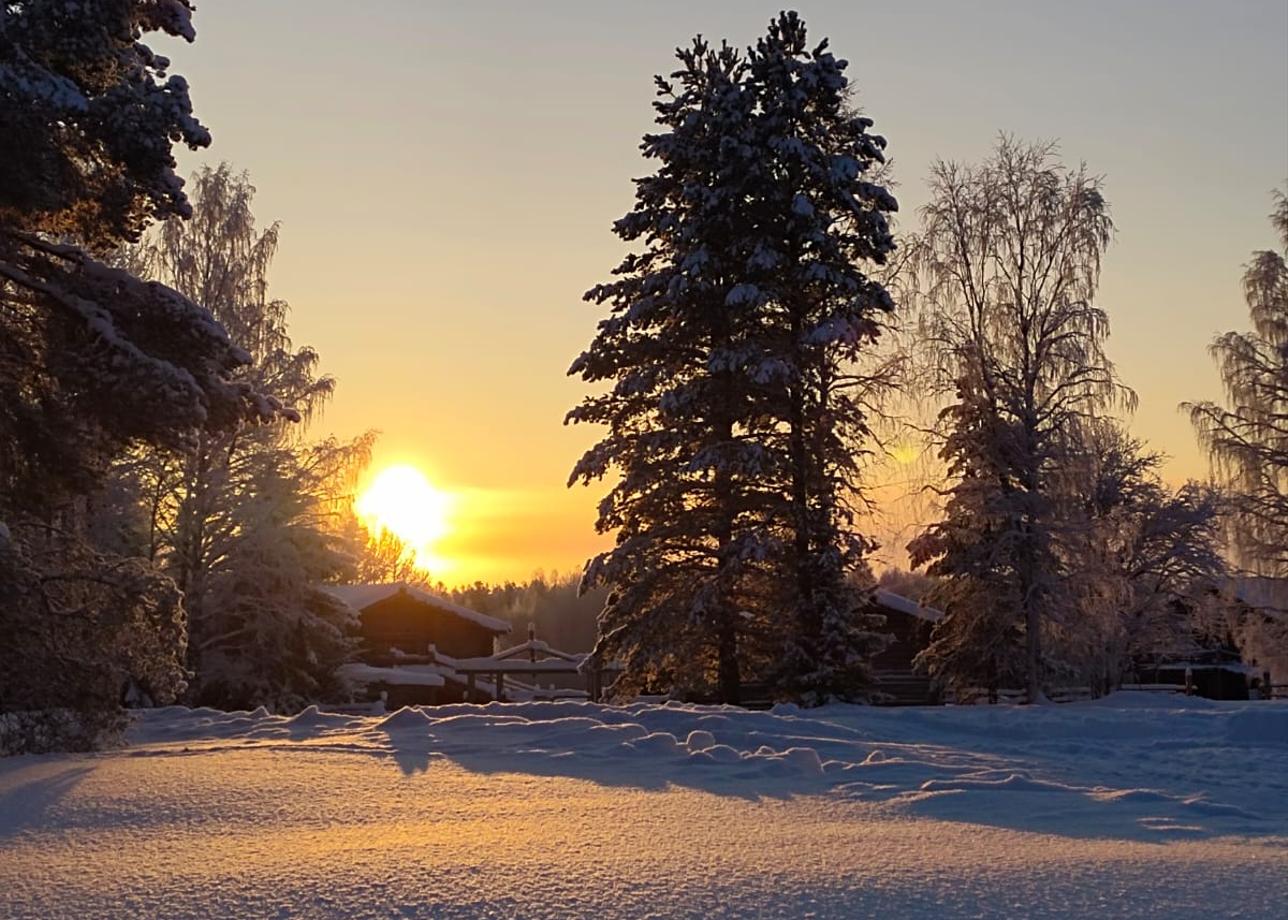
x=906, y=605
x=403, y=676
x=360, y=597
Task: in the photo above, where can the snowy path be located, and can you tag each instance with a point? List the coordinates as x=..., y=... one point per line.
x=1119, y=809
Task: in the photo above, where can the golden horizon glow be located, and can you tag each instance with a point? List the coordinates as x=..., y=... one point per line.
x=400, y=500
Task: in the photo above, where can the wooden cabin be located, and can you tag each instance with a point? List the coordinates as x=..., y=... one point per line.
x=398, y=618
x=909, y=623
x=402, y=627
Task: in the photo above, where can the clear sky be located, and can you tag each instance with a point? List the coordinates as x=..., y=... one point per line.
x=446, y=174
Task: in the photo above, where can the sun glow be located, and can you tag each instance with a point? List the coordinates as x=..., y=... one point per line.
x=401, y=501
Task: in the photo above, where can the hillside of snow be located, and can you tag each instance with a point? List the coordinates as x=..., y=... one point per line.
x=1134, y=806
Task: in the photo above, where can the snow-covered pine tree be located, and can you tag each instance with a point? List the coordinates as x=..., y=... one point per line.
x=92, y=359
x=1010, y=255
x=670, y=349
x=819, y=225
x=737, y=408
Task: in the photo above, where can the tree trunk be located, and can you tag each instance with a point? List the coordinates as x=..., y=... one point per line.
x=1033, y=633
x=728, y=673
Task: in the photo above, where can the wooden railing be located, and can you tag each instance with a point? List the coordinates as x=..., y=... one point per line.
x=975, y=696
x=1153, y=688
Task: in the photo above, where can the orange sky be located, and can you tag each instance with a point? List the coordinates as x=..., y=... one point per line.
x=446, y=175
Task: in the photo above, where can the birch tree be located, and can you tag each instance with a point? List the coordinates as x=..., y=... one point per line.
x=1008, y=265
x=1248, y=437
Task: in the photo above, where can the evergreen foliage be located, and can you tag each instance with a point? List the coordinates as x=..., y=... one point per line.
x=734, y=411
x=93, y=360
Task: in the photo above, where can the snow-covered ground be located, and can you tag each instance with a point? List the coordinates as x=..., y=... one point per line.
x=1135, y=806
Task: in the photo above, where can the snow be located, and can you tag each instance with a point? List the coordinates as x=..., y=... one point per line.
x=1139, y=805
x=360, y=597
x=410, y=675
x=901, y=604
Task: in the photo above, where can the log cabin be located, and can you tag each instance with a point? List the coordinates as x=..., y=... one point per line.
x=401, y=628
x=909, y=624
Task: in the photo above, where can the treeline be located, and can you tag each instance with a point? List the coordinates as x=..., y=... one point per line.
x=562, y=614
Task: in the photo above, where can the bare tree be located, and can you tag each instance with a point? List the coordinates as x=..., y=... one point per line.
x=1006, y=274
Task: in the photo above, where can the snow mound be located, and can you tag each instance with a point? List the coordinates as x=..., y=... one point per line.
x=1263, y=725
x=408, y=719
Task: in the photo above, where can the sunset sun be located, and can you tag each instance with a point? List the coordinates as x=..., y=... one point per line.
x=401, y=501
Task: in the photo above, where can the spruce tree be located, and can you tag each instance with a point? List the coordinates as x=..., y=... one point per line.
x=93, y=360
x=669, y=351
x=820, y=226
x=734, y=349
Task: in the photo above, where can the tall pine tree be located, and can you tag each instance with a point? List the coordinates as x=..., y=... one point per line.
x=732, y=345
x=669, y=349
x=819, y=224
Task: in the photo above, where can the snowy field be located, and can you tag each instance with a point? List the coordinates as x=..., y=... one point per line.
x=1128, y=807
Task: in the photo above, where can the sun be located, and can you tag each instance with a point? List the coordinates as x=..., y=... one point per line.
x=402, y=501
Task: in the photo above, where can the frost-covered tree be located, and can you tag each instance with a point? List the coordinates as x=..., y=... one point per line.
x=1009, y=262
x=1248, y=437
x=92, y=359
x=246, y=518
x=735, y=407
x=1247, y=440
x=1141, y=559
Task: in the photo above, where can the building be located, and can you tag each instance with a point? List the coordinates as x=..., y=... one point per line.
x=909, y=624
x=405, y=632
x=398, y=618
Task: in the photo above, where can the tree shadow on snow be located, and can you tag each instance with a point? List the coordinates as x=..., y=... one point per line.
x=1021, y=783
x=26, y=799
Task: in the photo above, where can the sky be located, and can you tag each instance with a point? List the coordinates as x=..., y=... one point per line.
x=446, y=174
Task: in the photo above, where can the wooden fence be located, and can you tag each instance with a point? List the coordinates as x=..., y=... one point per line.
x=975, y=696
x=1153, y=688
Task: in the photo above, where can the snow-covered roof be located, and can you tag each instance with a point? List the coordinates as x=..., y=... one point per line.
x=534, y=646
x=360, y=597
x=514, y=665
x=901, y=604
x=404, y=675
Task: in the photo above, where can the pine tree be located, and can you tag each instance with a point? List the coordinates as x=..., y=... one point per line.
x=736, y=406
x=819, y=223
x=92, y=359
x=669, y=349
